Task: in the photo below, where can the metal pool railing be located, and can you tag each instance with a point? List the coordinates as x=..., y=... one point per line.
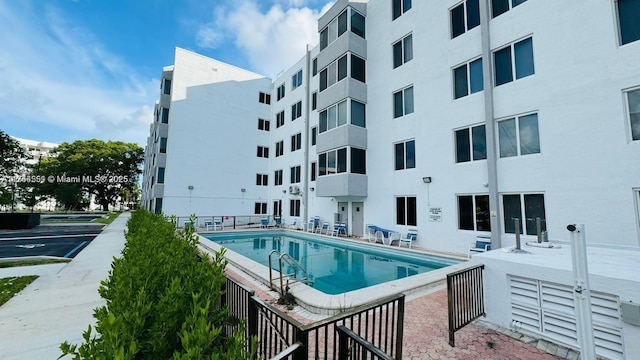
x=465, y=298
x=280, y=336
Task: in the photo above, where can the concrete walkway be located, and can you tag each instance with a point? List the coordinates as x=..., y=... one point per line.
x=58, y=306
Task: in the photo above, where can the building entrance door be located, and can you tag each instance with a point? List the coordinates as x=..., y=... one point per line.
x=357, y=219
x=343, y=211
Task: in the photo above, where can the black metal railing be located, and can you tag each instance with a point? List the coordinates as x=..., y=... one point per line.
x=237, y=298
x=232, y=221
x=379, y=323
x=465, y=297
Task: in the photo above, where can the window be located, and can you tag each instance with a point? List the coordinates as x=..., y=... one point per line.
x=468, y=79
x=522, y=58
x=405, y=155
x=296, y=142
x=358, y=114
x=314, y=135
x=473, y=212
x=633, y=103
x=499, y=7
x=403, y=102
x=628, y=21
x=402, y=51
x=314, y=171
x=358, y=161
x=296, y=110
x=400, y=7
x=296, y=80
x=314, y=100
x=471, y=141
x=531, y=205
x=166, y=89
x=161, y=175
x=260, y=208
x=358, y=68
x=357, y=23
x=280, y=148
x=280, y=92
x=277, y=176
x=331, y=32
x=280, y=119
x=163, y=145
x=262, y=179
x=294, y=207
x=333, y=116
x=158, y=205
x=264, y=98
x=464, y=17
x=314, y=65
x=263, y=124
x=406, y=211
x=263, y=151
x=295, y=174
x=333, y=73
x=332, y=162
x=165, y=115
x=519, y=136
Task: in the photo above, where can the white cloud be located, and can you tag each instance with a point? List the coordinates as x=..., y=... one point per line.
x=56, y=75
x=271, y=40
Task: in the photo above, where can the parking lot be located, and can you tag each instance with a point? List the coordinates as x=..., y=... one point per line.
x=47, y=240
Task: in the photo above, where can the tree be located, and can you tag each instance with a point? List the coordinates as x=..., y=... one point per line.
x=103, y=169
x=12, y=157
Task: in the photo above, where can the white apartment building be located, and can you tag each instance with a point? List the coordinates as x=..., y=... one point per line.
x=450, y=117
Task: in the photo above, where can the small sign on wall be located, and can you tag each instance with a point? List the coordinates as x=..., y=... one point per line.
x=435, y=214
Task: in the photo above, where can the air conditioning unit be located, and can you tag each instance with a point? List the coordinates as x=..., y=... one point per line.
x=294, y=190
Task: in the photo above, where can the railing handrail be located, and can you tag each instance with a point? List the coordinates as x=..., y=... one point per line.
x=288, y=351
x=362, y=342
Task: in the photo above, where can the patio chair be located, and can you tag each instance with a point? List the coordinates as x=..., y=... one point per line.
x=339, y=229
x=293, y=225
x=215, y=224
x=482, y=244
x=316, y=223
x=412, y=235
x=310, y=226
x=379, y=237
x=324, y=229
x=393, y=236
x=371, y=234
x=264, y=223
x=278, y=221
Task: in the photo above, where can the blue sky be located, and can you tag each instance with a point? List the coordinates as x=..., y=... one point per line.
x=82, y=69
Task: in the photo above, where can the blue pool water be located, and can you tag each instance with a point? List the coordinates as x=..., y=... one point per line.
x=335, y=265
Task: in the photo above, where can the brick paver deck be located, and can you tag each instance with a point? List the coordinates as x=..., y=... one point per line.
x=426, y=336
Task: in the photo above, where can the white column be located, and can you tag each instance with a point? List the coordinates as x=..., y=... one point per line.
x=582, y=293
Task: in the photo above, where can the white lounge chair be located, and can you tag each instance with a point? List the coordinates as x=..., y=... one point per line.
x=412, y=235
x=482, y=244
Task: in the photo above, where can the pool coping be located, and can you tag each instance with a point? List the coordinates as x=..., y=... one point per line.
x=318, y=302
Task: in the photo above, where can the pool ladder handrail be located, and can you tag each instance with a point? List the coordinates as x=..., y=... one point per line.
x=285, y=257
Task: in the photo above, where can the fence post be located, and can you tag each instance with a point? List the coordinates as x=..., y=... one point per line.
x=343, y=346
x=451, y=310
x=252, y=321
x=400, y=331
x=302, y=337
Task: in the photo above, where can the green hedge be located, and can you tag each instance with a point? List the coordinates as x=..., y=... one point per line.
x=162, y=302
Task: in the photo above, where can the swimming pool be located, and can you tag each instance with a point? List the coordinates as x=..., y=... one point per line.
x=334, y=265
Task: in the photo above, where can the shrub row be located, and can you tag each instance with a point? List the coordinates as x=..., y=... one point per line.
x=162, y=301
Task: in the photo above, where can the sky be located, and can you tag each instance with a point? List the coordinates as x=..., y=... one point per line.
x=83, y=69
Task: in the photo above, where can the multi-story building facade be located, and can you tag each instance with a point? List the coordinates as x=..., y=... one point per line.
x=451, y=117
